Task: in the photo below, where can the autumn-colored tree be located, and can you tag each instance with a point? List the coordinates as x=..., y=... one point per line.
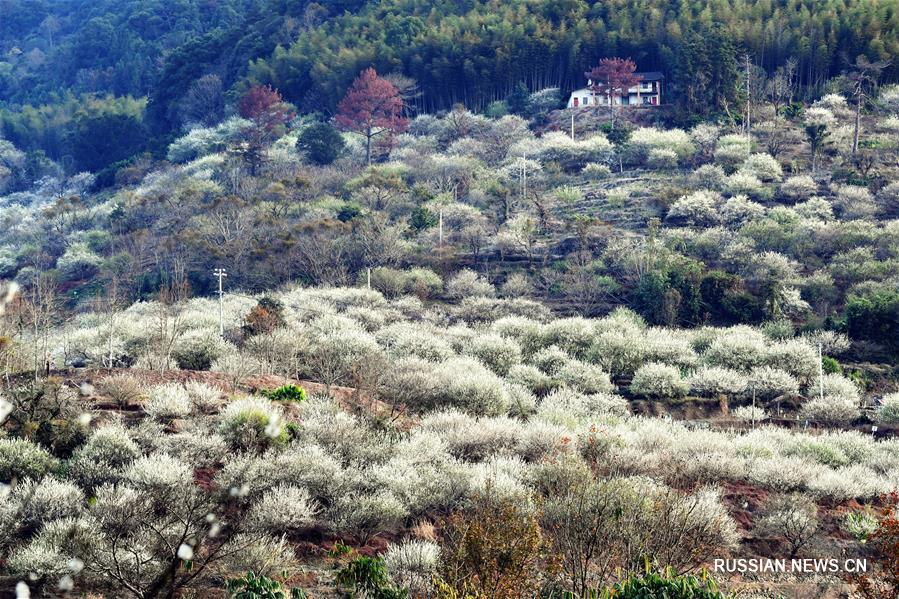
x=493, y=550
x=373, y=107
x=266, y=108
x=613, y=77
x=885, y=540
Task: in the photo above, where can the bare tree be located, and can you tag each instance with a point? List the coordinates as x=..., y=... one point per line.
x=791, y=517
x=169, y=319
x=863, y=76
x=204, y=102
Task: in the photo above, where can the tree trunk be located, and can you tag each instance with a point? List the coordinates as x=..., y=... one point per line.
x=368, y=137
x=858, y=116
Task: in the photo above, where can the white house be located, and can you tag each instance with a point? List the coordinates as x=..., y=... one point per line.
x=647, y=93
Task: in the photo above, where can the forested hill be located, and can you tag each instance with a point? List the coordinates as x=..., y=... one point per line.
x=68, y=67
x=469, y=51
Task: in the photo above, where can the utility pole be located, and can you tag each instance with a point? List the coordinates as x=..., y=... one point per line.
x=368, y=277
x=221, y=274
x=748, y=94
x=524, y=177
x=753, y=408
x=440, y=228
x=820, y=374
x=572, y=125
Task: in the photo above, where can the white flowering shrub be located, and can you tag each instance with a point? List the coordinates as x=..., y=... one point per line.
x=411, y=382
x=527, y=332
x=888, y=200
x=78, y=262
x=656, y=380
x=123, y=389
x=798, y=187
x=830, y=410
x=699, y=209
x=768, y=383
x=644, y=140
x=497, y=353
x=237, y=367
x=819, y=115
x=472, y=439
x=795, y=356
x=531, y=378
x=201, y=141
x=569, y=408
x=556, y=146
x=750, y=413
x=335, y=355
x=763, y=166
x=712, y=381
x=422, y=473
x=460, y=381
x=705, y=137
x=204, y=398
x=831, y=342
x=158, y=474
x=596, y=171
x=573, y=335
x=47, y=499
x=816, y=208
x=732, y=150
x=661, y=158
x=412, y=564
x=709, y=176
x=737, y=348
x=550, y=360
x=197, y=350
x=281, y=509
x=618, y=352
x=744, y=183
x=263, y=555
x=467, y=283
x=585, y=377
x=854, y=201
x=503, y=477
x=888, y=411
x=252, y=423
x=403, y=339
x=103, y=457
x=366, y=513
x=168, y=402
x=739, y=210
x=20, y=458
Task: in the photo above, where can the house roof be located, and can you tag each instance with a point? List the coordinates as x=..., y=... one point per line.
x=644, y=76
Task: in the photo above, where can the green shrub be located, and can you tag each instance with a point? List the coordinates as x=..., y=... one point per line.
x=260, y=587
x=664, y=584
x=321, y=143
x=289, y=392
x=367, y=577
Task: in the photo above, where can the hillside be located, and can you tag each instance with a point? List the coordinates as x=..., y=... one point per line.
x=342, y=301
x=446, y=403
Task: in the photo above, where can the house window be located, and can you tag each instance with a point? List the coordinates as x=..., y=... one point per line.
x=575, y=102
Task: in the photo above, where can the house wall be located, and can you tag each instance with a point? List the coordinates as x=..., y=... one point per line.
x=586, y=97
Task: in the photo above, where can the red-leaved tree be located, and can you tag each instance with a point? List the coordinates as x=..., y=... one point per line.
x=613, y=77
x=884, y=584
x=373, y=107
x=263, y=105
